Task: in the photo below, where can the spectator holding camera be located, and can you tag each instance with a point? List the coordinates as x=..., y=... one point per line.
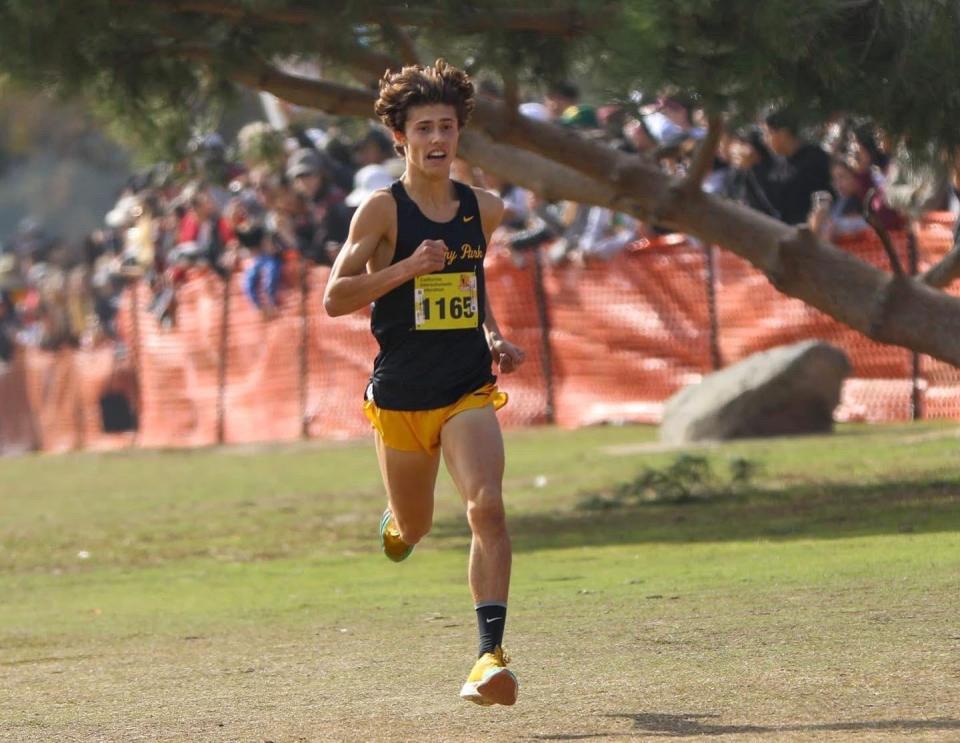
x=831, y=217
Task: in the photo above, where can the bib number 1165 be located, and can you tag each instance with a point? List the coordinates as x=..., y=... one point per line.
x=446, y=301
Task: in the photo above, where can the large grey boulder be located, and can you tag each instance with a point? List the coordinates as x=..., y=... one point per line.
x=786, y=390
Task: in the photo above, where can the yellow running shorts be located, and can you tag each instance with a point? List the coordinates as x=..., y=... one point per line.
x=419, y=430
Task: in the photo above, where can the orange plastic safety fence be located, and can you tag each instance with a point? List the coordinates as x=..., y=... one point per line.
x=512, y=287
x=178, y=366
x=605, y=341
x=97, y=372
x=940, y=388
x=261, y=379
x=51, y=392
x=52, y=400
x=18, y=425
x=340, y=353
x=754, y=316
x=628, y=333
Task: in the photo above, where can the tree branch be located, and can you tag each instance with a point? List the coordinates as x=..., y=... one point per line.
x=224, y=9
x=566, y=23
x=888, y=309
x=368, y=60
x=545, y=177
x=870, y=215
x=633, y=177
x=330, y=97
x=354, y=55
x=404, y=42
x=703, y=160
x=511, y=96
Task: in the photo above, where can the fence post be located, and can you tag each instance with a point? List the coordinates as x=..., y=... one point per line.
x=79, y=419
x=916, y=400
x=222, y=361
x=709, y=256
x=304, y=341
x=135, y=352
x=543, y=316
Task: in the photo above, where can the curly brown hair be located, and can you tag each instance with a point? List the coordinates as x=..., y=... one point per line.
x=418, y=85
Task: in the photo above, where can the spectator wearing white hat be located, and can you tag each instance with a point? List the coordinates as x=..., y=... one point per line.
x=368, y=179
x=535, y=110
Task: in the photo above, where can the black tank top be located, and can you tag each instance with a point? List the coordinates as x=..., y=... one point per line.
x=423, y=364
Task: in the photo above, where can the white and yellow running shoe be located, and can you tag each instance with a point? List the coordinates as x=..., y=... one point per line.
x=490, y=682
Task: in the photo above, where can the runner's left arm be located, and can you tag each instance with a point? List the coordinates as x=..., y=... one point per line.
x=505, y=354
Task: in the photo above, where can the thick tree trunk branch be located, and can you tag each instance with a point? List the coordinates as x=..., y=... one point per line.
x=629, y=175
x=333, y=98
x=552, y=181
x=889, y=309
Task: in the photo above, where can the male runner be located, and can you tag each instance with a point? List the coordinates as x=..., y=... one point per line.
x=416, y=252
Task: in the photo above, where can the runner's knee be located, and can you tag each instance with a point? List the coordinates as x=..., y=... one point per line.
x=485, y=510
x=412, y=530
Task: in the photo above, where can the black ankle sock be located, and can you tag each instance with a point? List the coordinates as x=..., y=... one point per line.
x=491, y=616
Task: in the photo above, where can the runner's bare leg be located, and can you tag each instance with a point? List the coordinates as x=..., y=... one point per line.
x=409, y=478
x=473, y=452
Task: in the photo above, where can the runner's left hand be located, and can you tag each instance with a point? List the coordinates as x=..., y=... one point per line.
x=506, y=355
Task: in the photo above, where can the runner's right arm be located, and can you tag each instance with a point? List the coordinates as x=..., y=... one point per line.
x=356, y=279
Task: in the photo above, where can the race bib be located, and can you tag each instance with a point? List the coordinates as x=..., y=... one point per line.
x=445, y=301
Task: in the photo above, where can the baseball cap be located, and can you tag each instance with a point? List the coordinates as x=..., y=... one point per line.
x=304, y=161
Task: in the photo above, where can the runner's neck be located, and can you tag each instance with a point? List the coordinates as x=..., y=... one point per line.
x=434, y=196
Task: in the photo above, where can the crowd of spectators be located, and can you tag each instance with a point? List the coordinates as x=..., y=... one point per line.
x=274, y=195
x=271, y=196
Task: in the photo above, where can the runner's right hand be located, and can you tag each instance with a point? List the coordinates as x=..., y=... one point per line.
x=429, y=257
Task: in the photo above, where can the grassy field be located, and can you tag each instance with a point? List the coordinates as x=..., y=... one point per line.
x=239, y=595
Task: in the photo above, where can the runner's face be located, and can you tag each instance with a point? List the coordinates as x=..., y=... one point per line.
x=430, y=137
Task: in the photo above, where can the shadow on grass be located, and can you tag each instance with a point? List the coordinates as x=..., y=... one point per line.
x=675, y=726
x=826, y=511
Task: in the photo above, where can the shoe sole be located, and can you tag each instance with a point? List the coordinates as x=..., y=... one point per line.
x=383, y=526
x=500, y=687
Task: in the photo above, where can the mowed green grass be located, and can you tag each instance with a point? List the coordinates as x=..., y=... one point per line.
x=239, y=594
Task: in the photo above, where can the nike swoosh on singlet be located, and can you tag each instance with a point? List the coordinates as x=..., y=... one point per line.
x=467, y=219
